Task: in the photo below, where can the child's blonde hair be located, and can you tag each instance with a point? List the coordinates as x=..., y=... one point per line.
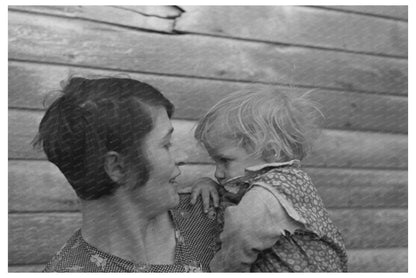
x=269, y=124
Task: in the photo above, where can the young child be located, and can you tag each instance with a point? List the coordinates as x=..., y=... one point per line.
x=271, y=217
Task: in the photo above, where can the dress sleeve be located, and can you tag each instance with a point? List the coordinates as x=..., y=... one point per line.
x=255, y=224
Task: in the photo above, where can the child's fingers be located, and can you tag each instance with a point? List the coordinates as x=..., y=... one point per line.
x=215, y=198
x=194, y=196
x=205, y=200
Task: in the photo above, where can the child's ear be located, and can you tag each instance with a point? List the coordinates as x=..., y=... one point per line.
x=114, y=166
x=269, y=155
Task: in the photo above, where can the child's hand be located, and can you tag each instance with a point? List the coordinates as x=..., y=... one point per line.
x=207, y=188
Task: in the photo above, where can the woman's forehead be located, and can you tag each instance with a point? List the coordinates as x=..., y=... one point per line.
x=162, y=126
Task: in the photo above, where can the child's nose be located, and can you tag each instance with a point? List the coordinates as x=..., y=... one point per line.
x=219, y=174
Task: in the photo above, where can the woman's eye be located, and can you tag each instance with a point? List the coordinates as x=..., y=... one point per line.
x=167, y=146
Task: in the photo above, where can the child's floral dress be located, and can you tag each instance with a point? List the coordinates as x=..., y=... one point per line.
x=317, y=246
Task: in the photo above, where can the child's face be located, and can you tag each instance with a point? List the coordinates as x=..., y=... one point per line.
x=230, y=160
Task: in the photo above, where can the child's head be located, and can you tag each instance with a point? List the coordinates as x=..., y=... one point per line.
x=249, y=128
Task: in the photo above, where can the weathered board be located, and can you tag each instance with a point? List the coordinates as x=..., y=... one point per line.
x=299, y=26
x=392, y=11
x=33, y=238
x=108, y=14
x=75, y=42
x=372, y=228
x=158, y=11
x=26, y=268
x=39, y=186
x=360, y=260
x=378, y=260
x=31, y=83
x=333, y=148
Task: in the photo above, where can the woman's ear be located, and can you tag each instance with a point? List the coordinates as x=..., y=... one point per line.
x=115, y=166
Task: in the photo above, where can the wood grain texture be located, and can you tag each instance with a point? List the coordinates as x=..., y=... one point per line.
x=159, y=11
x=34, y=238
x=299, y=26
x=372, y=228
x=39, y=186
x=360, y=260
x=75, y=42
x=332, y=149
x=378, y=260
x=26, y=268
x=349, y=188
x=398, y=12
x=108, y=14
x=31, y=83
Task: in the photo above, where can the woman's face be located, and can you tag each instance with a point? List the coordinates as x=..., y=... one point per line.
x=159, y=194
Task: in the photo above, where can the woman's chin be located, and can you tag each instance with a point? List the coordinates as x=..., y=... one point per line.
x=177, y=199
x=174, y=194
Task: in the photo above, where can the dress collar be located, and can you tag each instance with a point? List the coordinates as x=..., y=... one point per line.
x=256, y=168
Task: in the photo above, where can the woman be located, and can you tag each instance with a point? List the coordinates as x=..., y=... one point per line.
x=111, y=137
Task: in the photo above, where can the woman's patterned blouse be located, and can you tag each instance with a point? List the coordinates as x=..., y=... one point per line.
x=318, y=247
x=195, y=235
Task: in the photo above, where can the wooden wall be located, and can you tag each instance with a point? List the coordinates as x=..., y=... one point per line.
x=355, y=58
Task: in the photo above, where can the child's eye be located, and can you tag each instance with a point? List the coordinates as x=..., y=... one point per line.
x=223, y=160
x=167, y=146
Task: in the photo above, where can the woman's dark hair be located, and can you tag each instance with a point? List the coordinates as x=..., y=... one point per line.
x=92, y=117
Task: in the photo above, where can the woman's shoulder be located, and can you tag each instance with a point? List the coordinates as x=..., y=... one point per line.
x=198, y=230
x=73, y=257
x=79, y=256
x=192, y=219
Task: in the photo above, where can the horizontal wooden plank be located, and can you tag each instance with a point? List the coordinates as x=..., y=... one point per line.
x=30, y=83
x=399, y=12
x=359, y=150
x=107, y=14
x=360, y=260
x=40, y=186
x=34, y=238
x=159, y=11
x=332, y=149
x=378, y=260
x=372, y=228
x=26, y=268
x=361, y=188
x=75, y=42
x=298, y=25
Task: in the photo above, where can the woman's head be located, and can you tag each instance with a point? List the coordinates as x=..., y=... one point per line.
x=267, y=125
x=93, y=117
